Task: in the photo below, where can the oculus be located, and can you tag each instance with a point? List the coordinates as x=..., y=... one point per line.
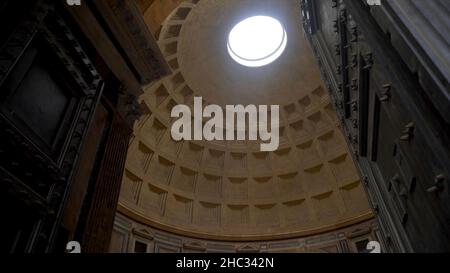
x=257, y=41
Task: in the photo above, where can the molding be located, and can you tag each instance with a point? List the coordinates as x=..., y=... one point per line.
x=142, y=219
x=132, y=34
x=143, y=234
x=96, y=34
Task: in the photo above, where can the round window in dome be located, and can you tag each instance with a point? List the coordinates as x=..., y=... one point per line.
x=257, y=41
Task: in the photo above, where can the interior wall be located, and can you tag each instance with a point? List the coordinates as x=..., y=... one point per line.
x=130, y=236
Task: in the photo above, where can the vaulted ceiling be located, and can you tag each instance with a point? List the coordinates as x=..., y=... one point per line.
x=231, y=190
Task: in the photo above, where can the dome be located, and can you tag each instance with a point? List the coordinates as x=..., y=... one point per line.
x=230, y=190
